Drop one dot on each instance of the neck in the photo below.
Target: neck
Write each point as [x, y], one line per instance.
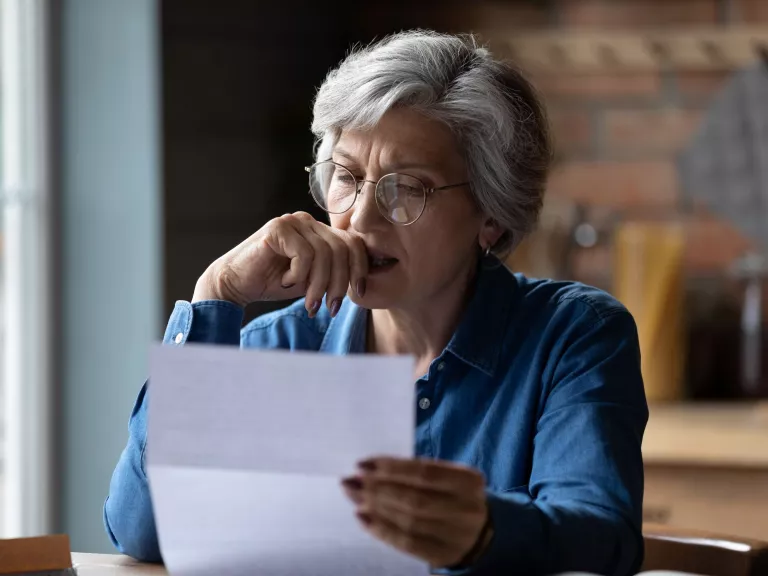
[422, 330]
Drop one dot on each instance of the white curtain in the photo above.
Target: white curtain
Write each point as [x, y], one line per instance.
[26, 307]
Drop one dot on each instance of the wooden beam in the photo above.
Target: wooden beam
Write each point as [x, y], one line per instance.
[604, 51]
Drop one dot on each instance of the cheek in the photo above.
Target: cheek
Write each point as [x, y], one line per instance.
[339, 221]
[433, 248]
[451, 226]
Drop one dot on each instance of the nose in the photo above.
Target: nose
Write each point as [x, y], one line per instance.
[365, 212]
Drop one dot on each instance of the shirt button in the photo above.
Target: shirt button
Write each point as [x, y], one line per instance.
[441, 366]
[424, 403]
[179, 338]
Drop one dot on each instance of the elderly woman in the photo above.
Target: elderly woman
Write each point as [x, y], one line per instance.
[431, 163]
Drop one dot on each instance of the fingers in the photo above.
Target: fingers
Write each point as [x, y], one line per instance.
[291, 256]
[340, 268]
[451, 535]
[320, 271]
[436, 475]
[358, 261]
[310, 256]
[435, 551]
[433, 509]
[323, 261]
[351, 256]
[397, 500]
[285, 239]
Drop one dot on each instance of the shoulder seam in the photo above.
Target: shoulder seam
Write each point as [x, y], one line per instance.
[601, 313]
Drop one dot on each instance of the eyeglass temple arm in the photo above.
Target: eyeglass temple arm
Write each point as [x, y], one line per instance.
[448, 186]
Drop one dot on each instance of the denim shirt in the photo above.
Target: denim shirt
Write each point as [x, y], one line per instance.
[539, 388]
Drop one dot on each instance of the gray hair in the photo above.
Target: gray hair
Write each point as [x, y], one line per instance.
[489, 106]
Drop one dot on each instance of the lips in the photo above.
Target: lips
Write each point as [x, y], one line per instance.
[378, 259]
[378, 262]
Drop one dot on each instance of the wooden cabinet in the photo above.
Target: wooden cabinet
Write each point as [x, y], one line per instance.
[706, 467]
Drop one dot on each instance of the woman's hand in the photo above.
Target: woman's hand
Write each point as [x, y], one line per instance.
[431, 509]
[291, 256]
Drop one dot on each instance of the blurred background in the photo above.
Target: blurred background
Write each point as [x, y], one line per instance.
[143, 138]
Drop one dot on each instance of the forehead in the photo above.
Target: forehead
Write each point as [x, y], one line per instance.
[402, 136]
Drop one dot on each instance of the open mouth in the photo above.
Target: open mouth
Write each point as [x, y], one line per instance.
[380, 262]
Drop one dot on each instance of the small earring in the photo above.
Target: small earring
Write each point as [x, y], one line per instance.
[487, 251]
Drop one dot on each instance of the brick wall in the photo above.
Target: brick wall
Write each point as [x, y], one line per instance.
[617, 138]
[617, 135]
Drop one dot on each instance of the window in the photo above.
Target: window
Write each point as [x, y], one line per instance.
[25, 319]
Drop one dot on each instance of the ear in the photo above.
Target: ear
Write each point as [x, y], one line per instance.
[490, 232]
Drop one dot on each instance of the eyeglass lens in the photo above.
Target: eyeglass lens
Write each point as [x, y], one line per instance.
[399, 197]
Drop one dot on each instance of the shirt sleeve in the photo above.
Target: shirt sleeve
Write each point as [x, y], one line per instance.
[128, 516]
[582, 508]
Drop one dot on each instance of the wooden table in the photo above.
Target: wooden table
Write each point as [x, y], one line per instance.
[113, 565]
[706, 467]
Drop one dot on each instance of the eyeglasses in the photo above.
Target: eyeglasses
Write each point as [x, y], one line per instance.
[400, 198]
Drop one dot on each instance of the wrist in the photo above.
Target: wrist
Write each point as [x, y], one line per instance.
[210, 287]
[481, 545]
[204, 289]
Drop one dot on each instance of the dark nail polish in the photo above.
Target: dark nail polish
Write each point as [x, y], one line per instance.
[355, 496]
[364, 518]
[287, 286]
[367, 465]
[354, 490]
[314, 307]
[335, 307]
[360, 288]
[352, 483]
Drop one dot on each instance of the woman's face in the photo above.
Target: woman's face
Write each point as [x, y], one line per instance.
[439, 251]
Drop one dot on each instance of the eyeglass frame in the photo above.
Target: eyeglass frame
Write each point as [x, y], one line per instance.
[359, 184]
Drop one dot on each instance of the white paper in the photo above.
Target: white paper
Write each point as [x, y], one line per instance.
[246, 450]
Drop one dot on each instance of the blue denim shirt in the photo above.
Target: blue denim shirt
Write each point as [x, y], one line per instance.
[539, 388]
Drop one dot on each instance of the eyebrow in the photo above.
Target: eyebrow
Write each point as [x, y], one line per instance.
[396, 167]
[346, 155]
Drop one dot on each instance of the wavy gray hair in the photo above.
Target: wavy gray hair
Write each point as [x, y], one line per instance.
[490, 107]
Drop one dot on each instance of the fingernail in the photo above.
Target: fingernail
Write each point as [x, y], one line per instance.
[352, 483]
[286, 286]
[364, 518]
[355, 496]
[354, 489]
[335, 307]
[367, 465]
[314, 308]
[361, 288]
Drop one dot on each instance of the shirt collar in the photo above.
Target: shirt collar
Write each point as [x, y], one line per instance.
[346, 332]
[478, 337]
[477, 340]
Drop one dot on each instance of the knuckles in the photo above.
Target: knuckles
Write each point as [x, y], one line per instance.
[417, 501]
[303, 216]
